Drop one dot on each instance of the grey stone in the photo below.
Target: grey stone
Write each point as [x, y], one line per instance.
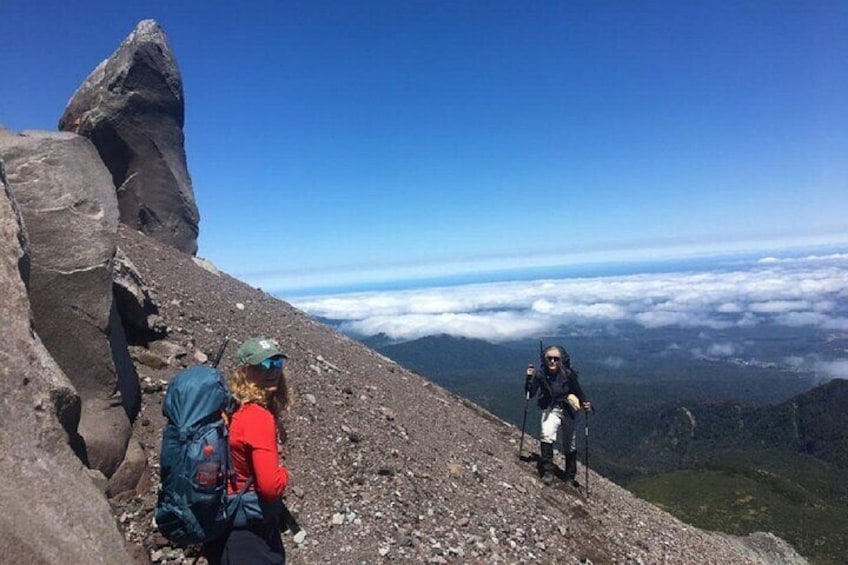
[98, 479]
[132, 108]
[169, 350]
[52, 511]
[70, 216]
[135, 302]
[131, 470]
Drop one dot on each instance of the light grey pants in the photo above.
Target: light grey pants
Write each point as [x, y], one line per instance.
[552, 419]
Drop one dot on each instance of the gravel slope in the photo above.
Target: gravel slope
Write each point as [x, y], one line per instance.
[387, 466]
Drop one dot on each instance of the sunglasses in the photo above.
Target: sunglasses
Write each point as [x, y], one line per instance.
[552, 359]
[272, 363]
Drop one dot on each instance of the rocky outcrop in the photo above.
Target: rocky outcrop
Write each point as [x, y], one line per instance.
[70, 213]
[131, 107]
[52, 512]
[135, 302]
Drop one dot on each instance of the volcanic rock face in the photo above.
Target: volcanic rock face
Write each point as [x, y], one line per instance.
[131, 107]
[52, 512]
[135, 302]
[69, 209]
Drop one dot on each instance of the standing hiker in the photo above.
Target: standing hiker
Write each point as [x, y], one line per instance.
[555, 382]
[260, 390]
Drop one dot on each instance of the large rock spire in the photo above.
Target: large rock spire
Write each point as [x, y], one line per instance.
[132, 108]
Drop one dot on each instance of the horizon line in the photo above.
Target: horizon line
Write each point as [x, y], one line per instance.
[473, 272]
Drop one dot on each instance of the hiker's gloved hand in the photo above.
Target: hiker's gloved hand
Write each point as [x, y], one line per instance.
[587, 406]
[530, 371]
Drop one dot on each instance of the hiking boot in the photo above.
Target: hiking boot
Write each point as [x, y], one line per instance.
[546, 462]
[571, 469]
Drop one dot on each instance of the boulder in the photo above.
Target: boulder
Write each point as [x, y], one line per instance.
[52, 512]
[132, 475]
[131, 107]
[70, 214]
[136, 303]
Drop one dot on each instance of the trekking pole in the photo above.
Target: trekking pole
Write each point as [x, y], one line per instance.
[562, 428]
[541, 355]
[288, 521]
[523, 423]
[586, 434]
[220, 352]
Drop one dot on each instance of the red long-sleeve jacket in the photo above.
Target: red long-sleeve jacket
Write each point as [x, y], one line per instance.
[253, 447]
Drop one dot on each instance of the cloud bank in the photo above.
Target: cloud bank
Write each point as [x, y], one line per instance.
[808, 291]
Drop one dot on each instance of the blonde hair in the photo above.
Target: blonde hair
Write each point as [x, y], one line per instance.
[244, 391]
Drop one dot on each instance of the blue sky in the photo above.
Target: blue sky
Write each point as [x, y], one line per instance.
[353, 142]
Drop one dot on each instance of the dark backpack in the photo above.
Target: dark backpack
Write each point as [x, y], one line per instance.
[193, 505]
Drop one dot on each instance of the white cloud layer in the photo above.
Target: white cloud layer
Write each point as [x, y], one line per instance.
[837, 369]
[831, 369]
[810, 291]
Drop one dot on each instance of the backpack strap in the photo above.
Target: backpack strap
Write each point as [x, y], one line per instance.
[247, 484]
[543, 377]
[543, 380]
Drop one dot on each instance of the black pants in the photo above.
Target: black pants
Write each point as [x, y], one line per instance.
[258, 544]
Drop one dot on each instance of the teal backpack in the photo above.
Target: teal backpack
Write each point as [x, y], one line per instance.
[193, 505]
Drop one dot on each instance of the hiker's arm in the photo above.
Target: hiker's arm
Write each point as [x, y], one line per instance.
[270, 477]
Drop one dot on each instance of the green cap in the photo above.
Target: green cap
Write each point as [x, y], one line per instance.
[257, 349]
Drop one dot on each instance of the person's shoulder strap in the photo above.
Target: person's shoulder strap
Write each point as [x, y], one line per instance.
[543, 378]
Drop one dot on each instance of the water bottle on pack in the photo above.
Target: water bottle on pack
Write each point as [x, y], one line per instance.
[209, 470]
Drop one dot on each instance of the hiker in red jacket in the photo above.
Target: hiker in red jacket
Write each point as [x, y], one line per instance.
[261, 393]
